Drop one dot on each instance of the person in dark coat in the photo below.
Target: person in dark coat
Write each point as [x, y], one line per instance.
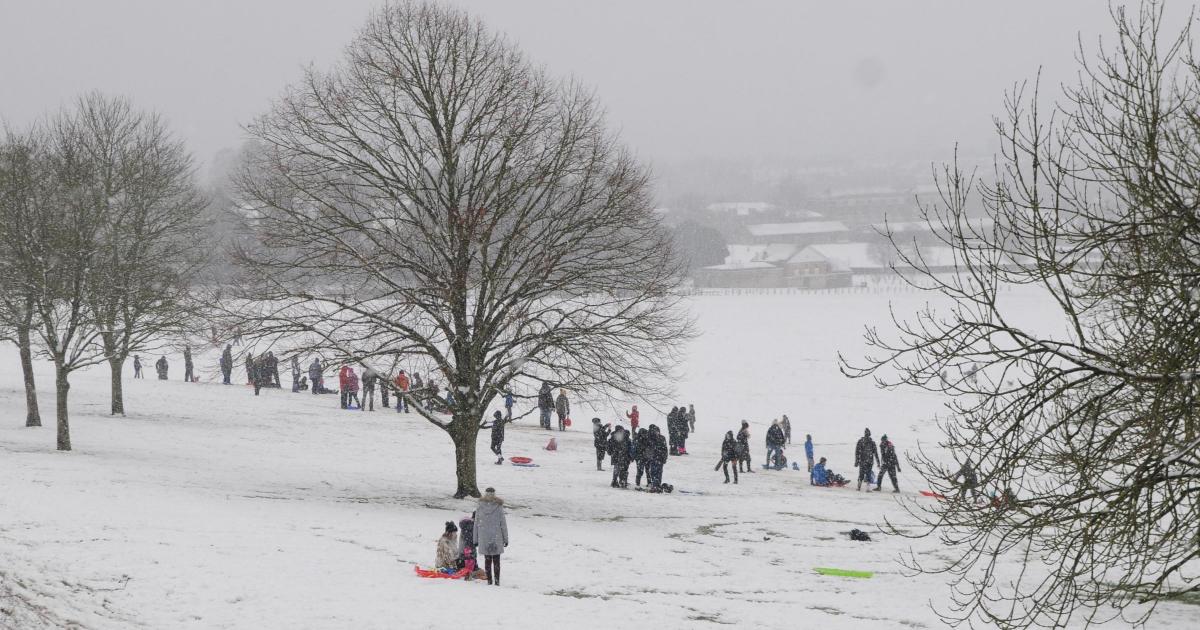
[314, 376]
[786, 425]
[656, 458]
[226, 364]
[888, 463]
[137, 367]
[683, 430]
[775, 443]
[498, 422]
[491, 533]
[673, 431]
[545, 404]
[508, 405]
[618, 451]
[970, 482]
[160, 366]
[729, 454]
[188, 376]
[257, 372]
[641, 450]
[272, 369]
[600, 440]
[562, 407]
[369, 379]
[865, 457]
[249, 368]
[743, 440]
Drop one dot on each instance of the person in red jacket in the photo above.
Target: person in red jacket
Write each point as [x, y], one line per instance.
[402, 384]
[633, 419]
[344, 385]
[352, 385]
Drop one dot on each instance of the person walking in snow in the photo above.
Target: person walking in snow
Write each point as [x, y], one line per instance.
[641, 449]
[729, 454]
[447, 548]
[865, 457]
[188, 377]
[226, 364]
[369, 379]
[808, 451]
[618, 452]
[743, 440]
[491, 533]
[137, 367]
[314, 376]
[656, 458]
[775, 442]
[888, 463]
[633, 419]
[673, 431]
[401, 382]
[562, 407]
[545, 404]
[498, 422]
[161, 367]
[786, 425]
[600, 441]
[970, 482]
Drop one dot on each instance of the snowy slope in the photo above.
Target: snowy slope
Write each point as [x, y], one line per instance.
[207, 507]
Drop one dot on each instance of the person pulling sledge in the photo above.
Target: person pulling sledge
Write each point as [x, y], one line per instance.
[562, 407]
[889, 464]
[729, 454]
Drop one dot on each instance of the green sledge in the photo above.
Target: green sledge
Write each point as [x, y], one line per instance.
[843, 572]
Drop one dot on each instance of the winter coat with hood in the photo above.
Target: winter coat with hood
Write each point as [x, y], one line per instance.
[618, 446]
[447, 551]
[314, 370]
[775, 437]
[865, 453]
[887, 452]
[227, 359]
[729, 448]
[545, 397]
[599, 434]
[562, 405]
[491, 528]
[658, 452]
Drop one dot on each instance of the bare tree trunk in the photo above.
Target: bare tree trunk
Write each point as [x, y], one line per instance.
[464, 435]
[33, 418]
[62, 387]
[118, 398]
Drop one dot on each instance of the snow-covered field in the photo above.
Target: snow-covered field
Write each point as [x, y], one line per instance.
[207, 507]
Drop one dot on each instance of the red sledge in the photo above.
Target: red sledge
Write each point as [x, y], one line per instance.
[929, 493]
[520, 460]
[433, 573]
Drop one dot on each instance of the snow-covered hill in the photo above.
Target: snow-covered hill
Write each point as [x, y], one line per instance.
[207, 507]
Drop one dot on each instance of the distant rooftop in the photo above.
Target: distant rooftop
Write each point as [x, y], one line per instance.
[801, 227]
[741, 208]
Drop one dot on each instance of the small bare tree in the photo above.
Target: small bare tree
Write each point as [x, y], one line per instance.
[149, 248]
[1084, 436]
[20, 184]
[438, 198]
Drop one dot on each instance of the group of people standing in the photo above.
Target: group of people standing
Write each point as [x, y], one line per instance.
[161, 366]
[646, 448]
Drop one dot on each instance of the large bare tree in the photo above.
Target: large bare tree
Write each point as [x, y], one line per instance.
[437, 198]
[150, 247]
[1083, 434]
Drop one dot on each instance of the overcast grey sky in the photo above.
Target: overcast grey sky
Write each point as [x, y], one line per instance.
[681, 79]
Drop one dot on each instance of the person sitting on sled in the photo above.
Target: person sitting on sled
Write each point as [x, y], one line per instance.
[447, 548]
[820, 476]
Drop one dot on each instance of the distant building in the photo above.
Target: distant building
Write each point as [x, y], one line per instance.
[799, 232]
[741, 208]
